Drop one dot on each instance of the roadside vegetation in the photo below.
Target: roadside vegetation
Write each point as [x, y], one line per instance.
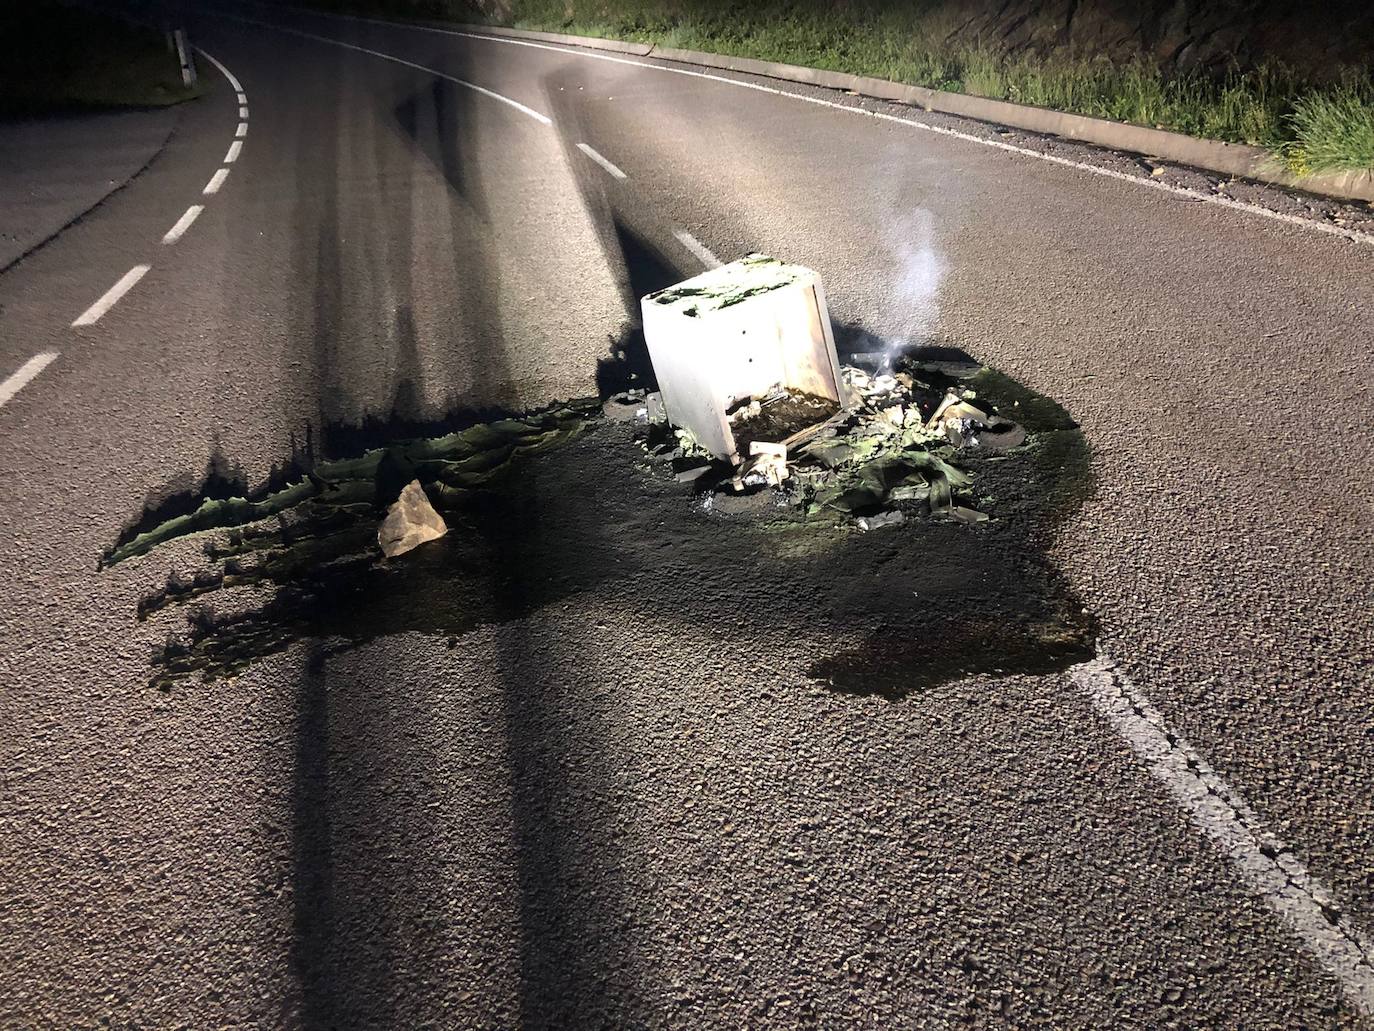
[66, 58]
[1311, 126]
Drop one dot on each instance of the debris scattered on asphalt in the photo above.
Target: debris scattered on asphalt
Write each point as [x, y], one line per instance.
[770, 461]
[776, 416]
[893, 517]
[875, 466]
[693, 473]
[967, 425]
[654, 411]
[967, 515]
[887, 453]
[410, 522]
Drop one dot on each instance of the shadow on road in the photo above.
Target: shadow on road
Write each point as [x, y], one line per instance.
[363, 925]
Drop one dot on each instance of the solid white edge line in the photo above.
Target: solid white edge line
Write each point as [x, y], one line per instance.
[232, 154]
[183, 223]
[233, 80]
[1354, 235]
[241, 131]
[698, 248]
[603, 162]
[24, 375]
[111, 296]
[1268, 865]
[216, 181]
[1182, 191]
[543, 119]
[243, 111]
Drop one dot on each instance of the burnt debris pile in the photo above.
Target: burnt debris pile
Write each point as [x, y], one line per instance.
[892, 450]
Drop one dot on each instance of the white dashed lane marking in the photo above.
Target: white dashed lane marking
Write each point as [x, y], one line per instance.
[541, 118]
[697, 247]
[111, 296]
[20, 378]
[591, 153]
[26, 373]
[231, 155]
[183, 223]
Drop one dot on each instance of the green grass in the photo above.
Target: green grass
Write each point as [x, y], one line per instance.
[1333, 130]
[61, 58]
[1311, 126]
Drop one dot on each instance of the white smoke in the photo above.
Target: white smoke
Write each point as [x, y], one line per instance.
[920, 269]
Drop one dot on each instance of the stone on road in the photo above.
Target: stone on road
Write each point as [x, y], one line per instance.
[410, 522]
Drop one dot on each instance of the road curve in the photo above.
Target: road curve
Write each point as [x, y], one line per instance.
[618, 807]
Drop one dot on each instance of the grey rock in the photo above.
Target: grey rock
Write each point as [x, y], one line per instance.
[410, 522]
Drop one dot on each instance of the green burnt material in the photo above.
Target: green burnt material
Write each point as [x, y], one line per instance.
[448, 466]
[914, 605]
[729, 285]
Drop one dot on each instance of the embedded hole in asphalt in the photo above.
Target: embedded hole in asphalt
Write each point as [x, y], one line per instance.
[565, 503]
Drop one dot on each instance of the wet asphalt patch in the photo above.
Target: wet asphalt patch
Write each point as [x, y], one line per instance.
[559, 503]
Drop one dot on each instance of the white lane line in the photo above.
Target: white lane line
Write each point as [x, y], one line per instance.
[241, 131]
[601, 160]
[242, 98]
[243, 110]
[1153, 184]
[1265, 862]
[216, 181]
[233, 80]
[183, 223]
[544, 119]
[21, 377]
[232, 154]
[111, 296]
[698, 248]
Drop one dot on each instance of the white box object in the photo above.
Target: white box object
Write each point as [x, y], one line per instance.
[733, 333]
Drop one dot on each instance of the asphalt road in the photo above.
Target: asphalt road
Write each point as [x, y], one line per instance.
[620, 796]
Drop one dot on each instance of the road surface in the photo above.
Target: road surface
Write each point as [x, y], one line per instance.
[631, 802]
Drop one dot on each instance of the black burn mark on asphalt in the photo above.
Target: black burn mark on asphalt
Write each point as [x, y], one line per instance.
[1030, 621]
[586, 518]
[903, 659]
[964, 582]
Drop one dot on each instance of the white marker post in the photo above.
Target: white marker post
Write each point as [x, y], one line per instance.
[188, 67]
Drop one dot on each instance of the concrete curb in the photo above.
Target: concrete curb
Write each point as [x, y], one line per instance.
[591, 42]
[1213, 155]
[112, 187]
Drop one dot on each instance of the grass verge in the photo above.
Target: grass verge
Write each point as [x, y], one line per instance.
[62, 58]
[1312, 127]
